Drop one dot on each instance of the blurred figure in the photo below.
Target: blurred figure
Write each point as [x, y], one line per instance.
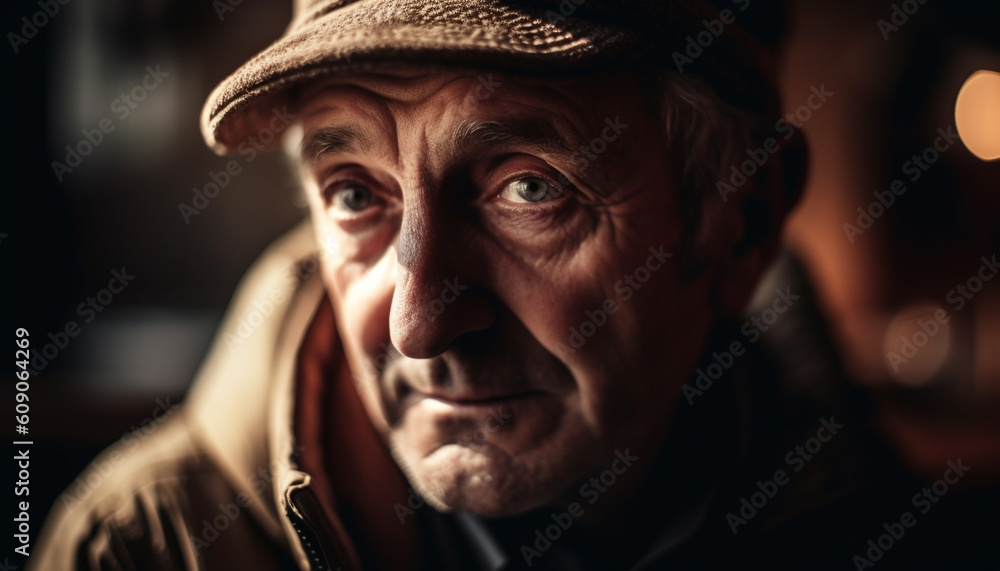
[901, 226]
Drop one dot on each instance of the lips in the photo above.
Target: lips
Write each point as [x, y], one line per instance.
[460, 382]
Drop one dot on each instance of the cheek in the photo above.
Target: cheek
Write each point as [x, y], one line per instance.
[361, 295]
[364, 297]
[624, 324]
[595, 310]
[359, 281]
[360, 300]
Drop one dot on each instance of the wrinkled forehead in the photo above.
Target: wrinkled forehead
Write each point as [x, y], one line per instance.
[572, 106]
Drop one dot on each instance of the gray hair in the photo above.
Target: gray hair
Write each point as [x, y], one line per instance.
[706, 137]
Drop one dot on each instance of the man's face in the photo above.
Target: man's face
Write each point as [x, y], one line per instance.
[498, 252]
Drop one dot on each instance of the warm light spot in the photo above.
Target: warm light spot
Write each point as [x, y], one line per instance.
[917, 343]
[977, 114]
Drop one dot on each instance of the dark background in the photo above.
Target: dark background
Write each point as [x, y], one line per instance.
[119, 209]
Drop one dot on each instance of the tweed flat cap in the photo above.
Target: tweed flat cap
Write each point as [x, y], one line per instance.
[728, 43]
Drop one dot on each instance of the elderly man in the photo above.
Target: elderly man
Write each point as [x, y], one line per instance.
[506, 338]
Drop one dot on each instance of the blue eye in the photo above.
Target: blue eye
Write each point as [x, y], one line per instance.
[353, 197]
[530, 189]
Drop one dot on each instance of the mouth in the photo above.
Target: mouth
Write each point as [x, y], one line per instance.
[473, 399]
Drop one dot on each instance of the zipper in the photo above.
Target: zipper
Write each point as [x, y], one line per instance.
[309, 541]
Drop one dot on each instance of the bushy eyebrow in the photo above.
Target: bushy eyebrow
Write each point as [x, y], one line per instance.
[327, 140]
[539, 136]
[468, 138]
[471, 136]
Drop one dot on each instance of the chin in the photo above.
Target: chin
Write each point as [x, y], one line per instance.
[483, 480]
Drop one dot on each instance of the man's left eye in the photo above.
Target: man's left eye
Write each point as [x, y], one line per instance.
[353, 197]
[531, 189]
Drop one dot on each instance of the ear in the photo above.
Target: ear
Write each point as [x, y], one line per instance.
[750, 224]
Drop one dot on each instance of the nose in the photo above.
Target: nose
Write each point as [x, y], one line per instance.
[439, 295]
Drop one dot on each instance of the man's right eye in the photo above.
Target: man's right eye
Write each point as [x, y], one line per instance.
[352, 197]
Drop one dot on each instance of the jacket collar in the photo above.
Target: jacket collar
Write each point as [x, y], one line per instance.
[240, 405]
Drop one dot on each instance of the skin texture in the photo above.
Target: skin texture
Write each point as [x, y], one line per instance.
[456, 297]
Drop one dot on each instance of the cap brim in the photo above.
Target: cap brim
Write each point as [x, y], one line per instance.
[361, 34]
